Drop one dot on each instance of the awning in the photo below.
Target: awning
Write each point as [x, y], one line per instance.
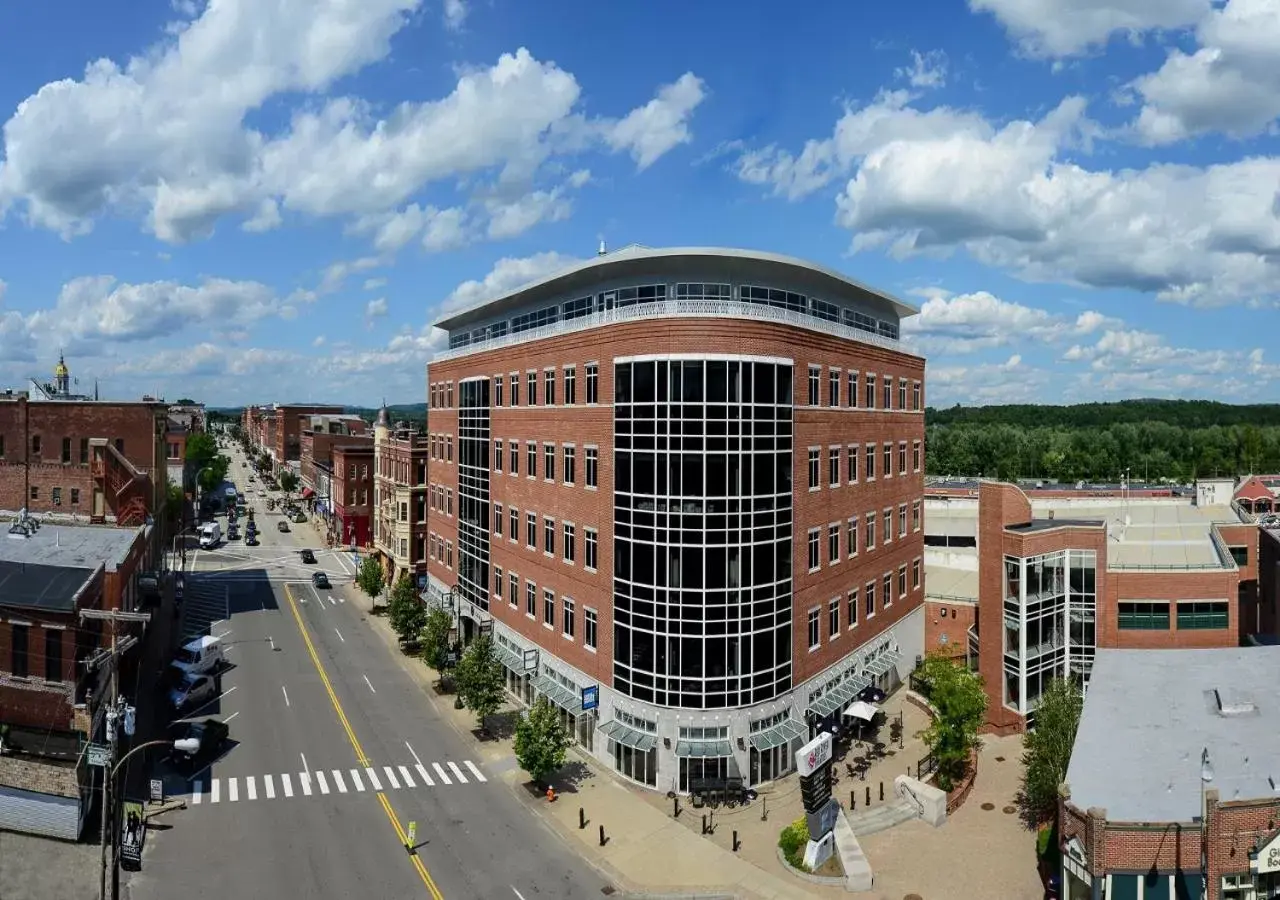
[509, 658]
[307, 493]
[782, 733]
[628, 736]
[884, 662]
[558, 694]
[862, 710]
[703, 749]
[831, 701]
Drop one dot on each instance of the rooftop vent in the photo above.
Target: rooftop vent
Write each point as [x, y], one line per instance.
[24, 526]
[1232, 703]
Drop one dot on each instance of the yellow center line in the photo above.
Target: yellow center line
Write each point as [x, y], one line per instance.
[355, 744]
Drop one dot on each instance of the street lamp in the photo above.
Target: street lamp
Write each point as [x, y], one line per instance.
[1206, 776]
[186, 745]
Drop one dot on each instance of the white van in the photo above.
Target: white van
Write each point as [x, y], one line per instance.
[210, 535]
[198, 656]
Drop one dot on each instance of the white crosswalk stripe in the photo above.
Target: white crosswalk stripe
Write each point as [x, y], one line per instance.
[330, 781]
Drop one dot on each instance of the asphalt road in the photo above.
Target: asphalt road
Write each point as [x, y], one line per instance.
[321, 710]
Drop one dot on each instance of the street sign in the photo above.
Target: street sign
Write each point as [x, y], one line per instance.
[413, 833]
[591, 697]
[157, 790]
[99, 755]
[531, 660]
[813, 755]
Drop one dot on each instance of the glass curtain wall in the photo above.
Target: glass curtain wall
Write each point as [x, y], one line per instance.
[703, 528]
[473, 491]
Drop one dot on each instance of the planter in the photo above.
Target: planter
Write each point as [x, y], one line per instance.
[808, 876]
[960, 793]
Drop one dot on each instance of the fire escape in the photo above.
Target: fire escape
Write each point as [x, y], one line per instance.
[120, 487]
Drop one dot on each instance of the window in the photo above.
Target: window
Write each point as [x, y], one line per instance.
[66, 450]
[548, 608]
[915, 456]
[75, 496]
[18, 649]
[57, 496]
[448, 551]
[35, 492]
[497, 455]
[851, 463]
[514, 381]
[35, 445]
[593, 383]
[915, 395]
[1202, 615]
[549, 387]
[851, 605]
[498, 583]
[851, 537]
[814, 637]
[833, 544]
[887, 535]
[902, 520]
[515, 524]
[915, 574]
[888, 460]
[869, 470]
[902, 580]
[902, 393]
[815, 379]
[567, 624]
[851, 390]
[513, 582]
[1, 446]
[814, 542]
[888, 392]
[591, 558]
[531, 387]
[531, 459]
[833, 618]
[886, 597]
[833, 466]
[570, 385]
[1240, 555]
[590, 620]
[497, 519]
[515, 457]
[870, 593]
[451, 395]
[915, 515]
[902, 457]
[530, 599]
[871, 531]
[833, 387]
[497, 390]
[870, 392]
[570, 542]
[53, 655]
[549, 462]
[448, 448]
[570, 464]
[1145, 616]
[593, 467]
[813, 468]
[531, 530]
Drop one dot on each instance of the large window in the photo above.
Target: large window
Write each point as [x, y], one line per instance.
[814, 453]
[593, 467]
[570, 385]
[590, 626]
[593, 383]
[592, 551]
[570, 464]
[815, 384]
[815, 618]
[1202, 615]
[473, 492]
[703, 524]
[1138, 616]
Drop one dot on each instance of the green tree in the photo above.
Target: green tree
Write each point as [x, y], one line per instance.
[370, 579]
[435, 638]
[213, 473]
[201, 450]
[481, 680]
[174, 499]
[541, 741]
[957, 695]
[405, 613]
[288, 481]
[1047, 749]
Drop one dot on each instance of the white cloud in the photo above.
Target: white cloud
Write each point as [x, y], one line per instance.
[336, 274]
[1011, 381]
[207, 359]
[1230, 84]
[506, 275]
[375, 309]
[508, 219]
[1060, 28]
[927, 70]
[965, 323]
[267, 218]
[649, 131]
[1013, 195]
[319, 341]
[455, 14]
[372, 284]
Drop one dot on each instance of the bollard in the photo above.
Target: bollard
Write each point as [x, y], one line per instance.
[764, 810]
[582, 818]
[736, 845]
[868, 795]
[712, 828]
[675, 807]
[853, 800]
[704, 823]
[882, 792]
[603, 839]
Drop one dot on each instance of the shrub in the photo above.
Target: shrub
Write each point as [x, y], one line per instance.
[792, 841]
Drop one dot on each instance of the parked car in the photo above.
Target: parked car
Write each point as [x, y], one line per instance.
[282, 526]
[200, 655]
[193, 690]
[212, 735]
[319, 579]
[307, 556]
[251, 539]
[233, 532]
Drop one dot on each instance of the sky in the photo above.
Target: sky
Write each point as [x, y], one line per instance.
[255, 201]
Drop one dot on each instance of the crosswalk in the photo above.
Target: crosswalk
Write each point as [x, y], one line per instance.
[214, 576]
[325, 782]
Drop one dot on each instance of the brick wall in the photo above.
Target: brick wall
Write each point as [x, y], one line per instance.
[584, 426]
[352, 475]
[946, 626]
[1172, 586]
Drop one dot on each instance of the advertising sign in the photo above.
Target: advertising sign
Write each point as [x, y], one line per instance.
[531, 660]
[133, 834]
[590, 697]
[99, 755]
[813, 755]
[157, 790]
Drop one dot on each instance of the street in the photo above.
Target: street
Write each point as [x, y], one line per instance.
[334, 751]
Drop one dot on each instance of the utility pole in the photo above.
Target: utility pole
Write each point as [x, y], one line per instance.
[111, 657]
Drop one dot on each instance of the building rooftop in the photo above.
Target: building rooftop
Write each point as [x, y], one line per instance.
[944, 582]
[68, 546]
[1150, 713]
[41, 587]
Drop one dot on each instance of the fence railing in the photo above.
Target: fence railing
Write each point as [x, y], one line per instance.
[926, 766]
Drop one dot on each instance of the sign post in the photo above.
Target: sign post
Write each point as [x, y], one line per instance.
[411, 837]
[813, 763]
[99, 755]
[157, 790]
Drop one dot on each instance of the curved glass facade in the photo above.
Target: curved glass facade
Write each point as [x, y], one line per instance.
[703, 531]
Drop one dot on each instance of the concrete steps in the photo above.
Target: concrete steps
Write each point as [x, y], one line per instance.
[883, 816]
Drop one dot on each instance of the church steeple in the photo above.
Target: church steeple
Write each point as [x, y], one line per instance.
[62, 376]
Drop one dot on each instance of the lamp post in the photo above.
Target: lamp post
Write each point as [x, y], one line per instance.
[1206, 776]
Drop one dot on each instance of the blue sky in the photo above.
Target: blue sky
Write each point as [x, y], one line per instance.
[269, 200]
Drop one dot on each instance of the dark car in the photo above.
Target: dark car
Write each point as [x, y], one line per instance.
[251, 539]
[282, 525]
[212, 734]
[307, 556]
[319, 579]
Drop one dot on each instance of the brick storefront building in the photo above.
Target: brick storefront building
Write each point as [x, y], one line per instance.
[691, 478]
[401, 495]
[352, 486]
[1171, 740]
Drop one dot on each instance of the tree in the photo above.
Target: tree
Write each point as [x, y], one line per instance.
[370, 579]
[288, 481]
[961, 703]
[481, 680]
[541, 740]
[1047, 749]
[201, 449]
[214, 473]
[174, 499]
[405, 612]
[435, 638]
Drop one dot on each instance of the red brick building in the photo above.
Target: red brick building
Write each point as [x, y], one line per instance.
[687, 482]
[1174, 764]
[352, 486]
[401, 495]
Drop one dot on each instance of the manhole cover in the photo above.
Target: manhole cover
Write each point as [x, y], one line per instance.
[1009, 810]
[999, 759]
[988, 806]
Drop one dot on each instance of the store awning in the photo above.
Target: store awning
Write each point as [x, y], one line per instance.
[509, 658]
[833, 700]
[628, 736]
[782, 733]
[307, 493]
[558, 694]
[884, 662]
[703, 749]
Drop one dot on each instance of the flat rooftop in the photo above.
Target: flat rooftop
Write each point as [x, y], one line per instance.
[943, 582]
[68, 546]
[1160, 533]
[1150, 713]
[41, 587]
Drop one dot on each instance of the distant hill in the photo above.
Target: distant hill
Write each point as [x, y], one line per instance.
[1183, 413]
[396, 410]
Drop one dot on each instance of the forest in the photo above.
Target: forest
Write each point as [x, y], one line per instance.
[1154, 440]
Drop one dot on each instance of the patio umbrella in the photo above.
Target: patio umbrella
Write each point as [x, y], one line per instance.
[862, 710]
[871, 694]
